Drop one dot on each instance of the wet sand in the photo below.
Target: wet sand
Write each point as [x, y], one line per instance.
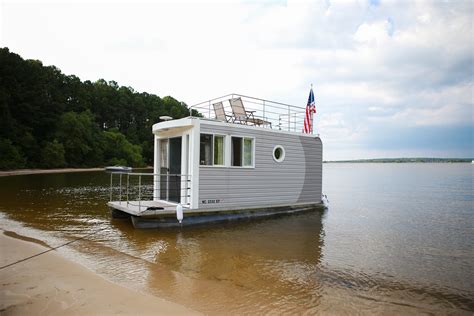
[20, 172]
[49, 284]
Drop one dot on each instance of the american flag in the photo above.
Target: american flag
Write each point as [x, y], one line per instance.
[310, 109]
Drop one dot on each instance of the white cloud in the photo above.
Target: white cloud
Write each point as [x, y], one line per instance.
[376, 33]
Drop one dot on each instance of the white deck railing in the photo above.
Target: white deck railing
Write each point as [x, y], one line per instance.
[276, 115]
[133, 188]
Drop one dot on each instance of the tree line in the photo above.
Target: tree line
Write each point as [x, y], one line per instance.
[52, 120]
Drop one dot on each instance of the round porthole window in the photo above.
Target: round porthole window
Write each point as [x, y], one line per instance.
[279, 153]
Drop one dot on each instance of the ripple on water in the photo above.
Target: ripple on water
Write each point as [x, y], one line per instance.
[370, 253]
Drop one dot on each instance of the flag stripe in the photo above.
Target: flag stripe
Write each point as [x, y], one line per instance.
[310, 108]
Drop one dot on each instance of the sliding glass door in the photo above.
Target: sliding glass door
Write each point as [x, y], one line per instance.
[170, 169]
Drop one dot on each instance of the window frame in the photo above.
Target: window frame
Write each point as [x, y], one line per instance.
[223, 149]
[252, 166]
[212, 150]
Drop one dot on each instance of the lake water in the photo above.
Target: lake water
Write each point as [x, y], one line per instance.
[397, 238]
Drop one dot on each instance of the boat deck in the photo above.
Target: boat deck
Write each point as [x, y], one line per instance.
[145, 208]
[144, 216]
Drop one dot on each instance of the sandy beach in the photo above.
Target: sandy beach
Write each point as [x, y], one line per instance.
[49, 284]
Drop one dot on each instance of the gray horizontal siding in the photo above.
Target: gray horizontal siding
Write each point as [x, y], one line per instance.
[312, 187]
[296, 179]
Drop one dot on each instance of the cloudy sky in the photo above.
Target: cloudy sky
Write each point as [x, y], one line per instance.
[391, 78]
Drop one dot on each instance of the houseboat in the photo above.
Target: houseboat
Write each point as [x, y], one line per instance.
[234, 157]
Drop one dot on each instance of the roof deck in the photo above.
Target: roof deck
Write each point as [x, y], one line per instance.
[245, 110]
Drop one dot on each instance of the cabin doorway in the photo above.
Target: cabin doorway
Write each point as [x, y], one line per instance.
[174, 189]
[170, 169]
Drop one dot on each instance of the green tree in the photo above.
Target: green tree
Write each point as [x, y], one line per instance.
[10, 157]
[81, 139]
[119, 150]
[39, 104]
[52, 155]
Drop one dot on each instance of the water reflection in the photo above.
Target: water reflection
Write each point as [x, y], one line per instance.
[338, 262]
[243, 267]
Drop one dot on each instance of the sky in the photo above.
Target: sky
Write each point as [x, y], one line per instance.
[390, 78]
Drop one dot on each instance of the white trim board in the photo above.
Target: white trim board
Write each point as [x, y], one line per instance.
[189, 121]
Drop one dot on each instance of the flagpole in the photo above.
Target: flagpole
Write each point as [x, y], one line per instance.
[312, 121]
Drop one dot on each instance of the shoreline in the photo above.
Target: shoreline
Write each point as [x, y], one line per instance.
[54, 285]
[21, 172]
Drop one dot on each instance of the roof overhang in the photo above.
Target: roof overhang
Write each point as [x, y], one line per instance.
[173, 124]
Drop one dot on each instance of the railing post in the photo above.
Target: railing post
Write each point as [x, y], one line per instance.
[120, 190]
[264, 118]
[167, 186]
[139, 193]
[128, 185]
[110, 199]
[279, 122]
[180, 188]
[209, 116]
[289, 118]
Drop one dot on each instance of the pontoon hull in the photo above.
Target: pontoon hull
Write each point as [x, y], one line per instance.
[209, 217]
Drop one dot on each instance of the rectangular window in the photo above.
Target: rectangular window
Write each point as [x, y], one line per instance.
[164, 153]
[242, 152]
[236, 151]
[218, 150]
[212, 150]
[248, 152]
[205, 155]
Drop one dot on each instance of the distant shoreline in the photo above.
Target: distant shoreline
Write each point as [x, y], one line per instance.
[20, 172]
[404, 160]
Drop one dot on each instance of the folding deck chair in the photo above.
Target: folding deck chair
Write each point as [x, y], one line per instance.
[243, 116]
[221, 115]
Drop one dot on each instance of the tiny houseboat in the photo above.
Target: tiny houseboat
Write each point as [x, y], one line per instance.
[234, 157]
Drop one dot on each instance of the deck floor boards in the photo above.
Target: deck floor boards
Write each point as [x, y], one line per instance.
[142, 208]
[169, 208]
